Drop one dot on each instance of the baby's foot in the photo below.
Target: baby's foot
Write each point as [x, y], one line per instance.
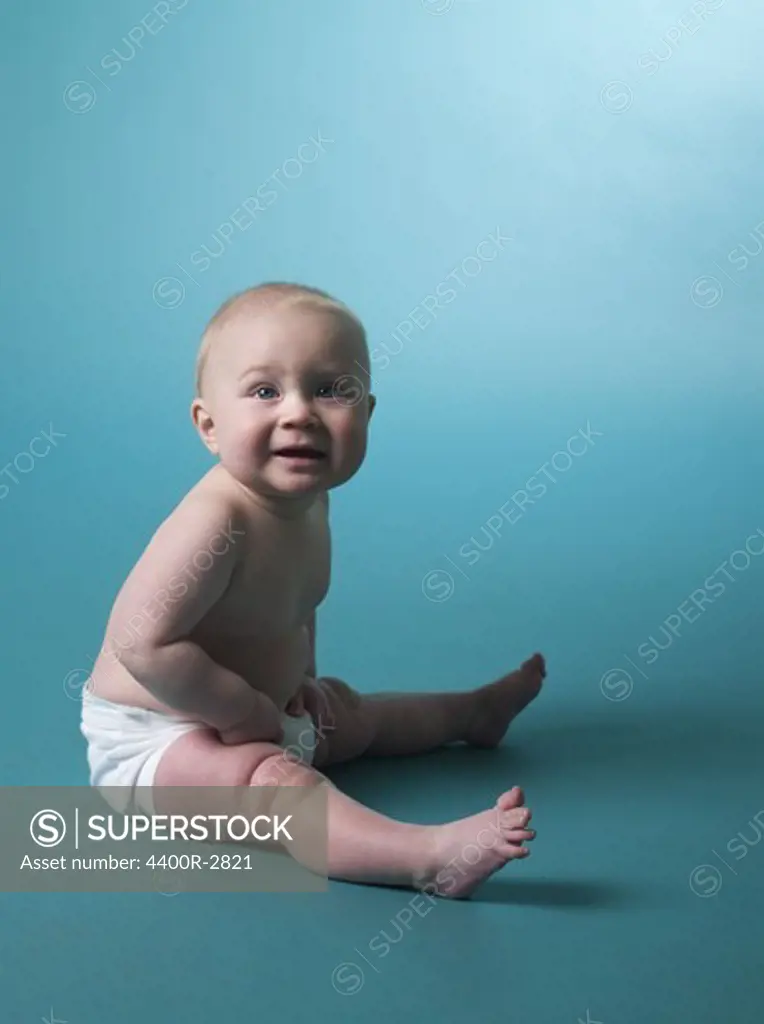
[464, 853]
[498, 703]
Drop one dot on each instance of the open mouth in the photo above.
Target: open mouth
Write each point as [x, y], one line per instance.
[311, 454]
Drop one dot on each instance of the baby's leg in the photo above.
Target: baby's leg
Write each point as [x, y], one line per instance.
[363, 846]
[412, 723]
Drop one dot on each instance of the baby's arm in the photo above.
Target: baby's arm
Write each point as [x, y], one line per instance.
[296, 705]
[172, 667]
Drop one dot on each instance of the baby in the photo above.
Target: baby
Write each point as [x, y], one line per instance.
[208, 670]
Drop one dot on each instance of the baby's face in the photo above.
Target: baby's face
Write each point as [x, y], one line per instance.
[275, 384]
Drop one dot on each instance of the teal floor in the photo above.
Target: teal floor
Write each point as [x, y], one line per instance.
[635, 804]
[644, 895]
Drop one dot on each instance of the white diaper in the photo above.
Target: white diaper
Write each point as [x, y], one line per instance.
[125, 745]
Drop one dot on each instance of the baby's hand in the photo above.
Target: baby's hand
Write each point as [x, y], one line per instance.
[263, 725]
[296, 706]
[314, 701]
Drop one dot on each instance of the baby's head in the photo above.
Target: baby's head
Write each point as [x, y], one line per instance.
[284, 365]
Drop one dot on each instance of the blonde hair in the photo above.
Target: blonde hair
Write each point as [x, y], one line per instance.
[261, 298]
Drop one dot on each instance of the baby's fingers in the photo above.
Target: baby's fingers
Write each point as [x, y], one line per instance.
[320, 706]
[326, 717]
[324, 712]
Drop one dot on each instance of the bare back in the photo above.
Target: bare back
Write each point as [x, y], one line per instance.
[258, 628]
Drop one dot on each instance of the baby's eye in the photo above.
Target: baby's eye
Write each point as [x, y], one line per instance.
[326, 390]
[258, 391]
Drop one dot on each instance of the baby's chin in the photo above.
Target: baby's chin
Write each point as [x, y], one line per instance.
[274, 480]
[287, 483]
[302, 474]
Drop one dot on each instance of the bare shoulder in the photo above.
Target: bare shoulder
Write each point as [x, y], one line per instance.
[187, 565]
[211, 512]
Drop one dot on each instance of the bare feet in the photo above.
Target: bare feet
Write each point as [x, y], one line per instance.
[498, 703]
[464, 853]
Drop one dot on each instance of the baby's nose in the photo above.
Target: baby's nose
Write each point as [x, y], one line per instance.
[297, 409]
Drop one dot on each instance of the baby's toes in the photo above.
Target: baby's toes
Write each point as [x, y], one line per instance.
[518, 817]
[520, 835]
[512, 798]
[513, 851]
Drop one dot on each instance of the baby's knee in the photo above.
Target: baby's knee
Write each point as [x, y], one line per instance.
[355, 713]
[340, 692]
[353, 729]
[282, 769]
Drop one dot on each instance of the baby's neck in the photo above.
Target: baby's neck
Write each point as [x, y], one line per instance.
[286, 507]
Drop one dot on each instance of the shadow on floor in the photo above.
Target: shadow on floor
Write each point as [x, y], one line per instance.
[656, 748]
[612, 761]
[592, 895]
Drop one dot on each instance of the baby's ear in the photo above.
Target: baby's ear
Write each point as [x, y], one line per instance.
[372, 404]
[204, 425]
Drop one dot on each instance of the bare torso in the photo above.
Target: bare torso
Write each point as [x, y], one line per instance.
[258, 629]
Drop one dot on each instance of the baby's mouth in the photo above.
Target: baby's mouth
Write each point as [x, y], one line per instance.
[300, 453]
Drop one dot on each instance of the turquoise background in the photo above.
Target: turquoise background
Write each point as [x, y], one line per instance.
[621, 150]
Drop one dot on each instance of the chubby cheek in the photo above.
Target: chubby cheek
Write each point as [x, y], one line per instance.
[350, 439]
[249, 439]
